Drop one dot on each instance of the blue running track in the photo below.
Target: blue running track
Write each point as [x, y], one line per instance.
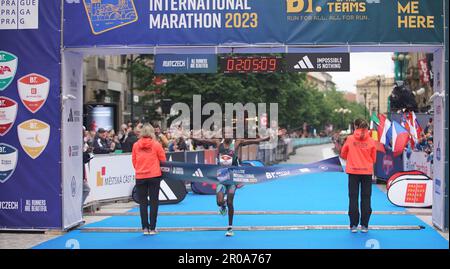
[316, 192]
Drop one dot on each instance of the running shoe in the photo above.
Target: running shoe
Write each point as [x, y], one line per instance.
[354, 229]
[153, 232]
[145, 231]
[364, 229]
[223, 210]
[229, 232]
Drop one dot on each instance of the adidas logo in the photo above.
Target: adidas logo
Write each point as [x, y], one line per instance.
[198, 173]
[304, 63]
[165, 192]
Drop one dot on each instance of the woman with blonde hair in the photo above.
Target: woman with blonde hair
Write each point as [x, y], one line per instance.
[147, 154]
[360, 152]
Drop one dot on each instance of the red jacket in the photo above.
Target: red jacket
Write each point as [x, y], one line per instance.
[146, 156]
[360, 152]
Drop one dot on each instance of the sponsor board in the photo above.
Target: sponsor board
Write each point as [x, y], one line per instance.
[33, 137]
[18, 15]
[410, 189]
[8, 161]
[33, 91]
[8, 113]
[318, 62]
[171, 63]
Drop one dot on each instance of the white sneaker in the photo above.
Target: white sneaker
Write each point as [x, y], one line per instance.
[354, 229]
[364, 229]
[229, 232]
[153, 232]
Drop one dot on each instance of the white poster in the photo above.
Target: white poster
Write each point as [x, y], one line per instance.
[110, 177]
[439, 144]
[418, 160]
[72, 146]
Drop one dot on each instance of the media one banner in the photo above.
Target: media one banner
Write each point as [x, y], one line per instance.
[215, 22]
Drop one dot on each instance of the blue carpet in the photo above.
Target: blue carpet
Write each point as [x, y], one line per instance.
[326, 191]
[321, 192]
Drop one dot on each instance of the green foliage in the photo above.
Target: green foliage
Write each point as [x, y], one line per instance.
[298, 101]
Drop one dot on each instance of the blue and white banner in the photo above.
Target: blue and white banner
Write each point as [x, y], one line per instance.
[185, 63]
[439, 141]
[72, 126]
[30, 115]
[90, 23]
[217, 174]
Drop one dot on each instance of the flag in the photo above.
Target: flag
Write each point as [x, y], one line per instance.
[374, 120]
[417, 128]
[382, 121]
[406, 124]
[398, 137]
[383, 129]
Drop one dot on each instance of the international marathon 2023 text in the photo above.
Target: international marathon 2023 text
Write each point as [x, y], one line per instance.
[225, 258]
[201, 14]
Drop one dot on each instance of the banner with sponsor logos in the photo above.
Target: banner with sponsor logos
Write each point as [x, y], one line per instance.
[243, 174]
[410, 189]
[387, 164]
[418, 160]
[72, 126]
[30, 115]
[213, 22]
[185, 63]
[112, 176]
[439, 155]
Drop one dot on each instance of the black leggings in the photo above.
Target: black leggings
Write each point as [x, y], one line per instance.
[148, 187]
[354, 183]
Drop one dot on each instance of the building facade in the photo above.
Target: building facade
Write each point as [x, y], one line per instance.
[322, 80]
[367, 92]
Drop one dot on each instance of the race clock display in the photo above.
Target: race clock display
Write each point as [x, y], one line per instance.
[250, 64]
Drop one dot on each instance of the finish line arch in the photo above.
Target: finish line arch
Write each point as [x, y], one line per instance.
[41, 56]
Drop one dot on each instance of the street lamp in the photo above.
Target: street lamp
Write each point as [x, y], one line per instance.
[378, 85]
[400, 59]
[343, 111]
[365, 103]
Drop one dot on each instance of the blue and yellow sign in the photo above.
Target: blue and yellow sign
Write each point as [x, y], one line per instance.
[106, 15]
[241, 22]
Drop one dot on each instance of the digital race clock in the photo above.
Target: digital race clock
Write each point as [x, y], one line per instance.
[250, 64]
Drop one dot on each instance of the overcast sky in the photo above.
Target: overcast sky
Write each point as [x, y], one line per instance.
[361, 66]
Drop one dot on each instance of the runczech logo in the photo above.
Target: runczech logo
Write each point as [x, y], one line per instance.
[8, 67]
[33, 136]
[106, 15]
[33, 91]
[8, 161]
[8, 113]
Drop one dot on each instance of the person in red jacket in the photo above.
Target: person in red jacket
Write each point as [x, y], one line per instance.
[360, 152]
[147, 154]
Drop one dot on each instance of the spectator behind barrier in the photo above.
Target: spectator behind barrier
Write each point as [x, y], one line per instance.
[128, 140]
[102, 145]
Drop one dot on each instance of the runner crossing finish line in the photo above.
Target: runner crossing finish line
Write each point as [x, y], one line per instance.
[216, 174]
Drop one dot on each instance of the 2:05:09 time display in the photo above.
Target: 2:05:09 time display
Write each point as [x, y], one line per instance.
[250, 64]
